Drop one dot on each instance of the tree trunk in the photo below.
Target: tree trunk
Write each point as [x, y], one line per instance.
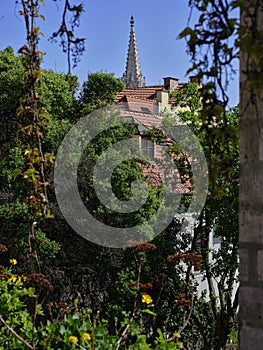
[251, 180]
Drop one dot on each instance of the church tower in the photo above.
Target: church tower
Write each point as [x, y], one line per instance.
[133, 75]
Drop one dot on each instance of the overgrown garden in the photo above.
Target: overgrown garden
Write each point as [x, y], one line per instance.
[60, 291]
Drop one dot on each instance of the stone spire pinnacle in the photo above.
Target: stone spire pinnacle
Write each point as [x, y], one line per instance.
[133, 75]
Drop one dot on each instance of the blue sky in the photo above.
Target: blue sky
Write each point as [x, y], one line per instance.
[105, 25]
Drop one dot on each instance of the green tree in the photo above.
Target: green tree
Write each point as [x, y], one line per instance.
[59, 95]
[218, 221]
[219, 37]
[11, 89]
[122, 177]
[99, 90]
[205, 319]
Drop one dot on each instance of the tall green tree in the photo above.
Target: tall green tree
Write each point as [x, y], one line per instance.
[99, 90]
[218, 36]
[59, 94]
[218, 221]
[12, 72]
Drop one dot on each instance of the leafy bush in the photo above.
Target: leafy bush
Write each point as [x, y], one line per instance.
[20, 307]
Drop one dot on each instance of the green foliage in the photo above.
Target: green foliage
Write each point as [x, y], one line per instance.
[211, 45]
[152, 297]
[72, 330]
[122, 177]
[234, 334]
[55, 132]
[13, 309]
[188, 97]
[10, 161]
[58, 94]
[14, 216]
[219, 139]
[208, 315]
[162, 344]
[47, 247]
[99, 91]
[76, 330]
[11, 89]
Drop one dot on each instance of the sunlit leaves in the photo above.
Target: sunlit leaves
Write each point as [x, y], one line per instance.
[211, 44]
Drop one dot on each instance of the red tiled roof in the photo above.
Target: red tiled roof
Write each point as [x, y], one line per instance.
[144, 94]
[134, 110]
[139, 105]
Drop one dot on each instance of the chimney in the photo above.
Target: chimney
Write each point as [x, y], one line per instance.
[195, 79]
[162, 100]
[170, 83]
[162, 96]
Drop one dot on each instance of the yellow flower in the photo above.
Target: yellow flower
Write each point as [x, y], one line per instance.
[86, 336]
[13, 261]
[180, 345]
[73, 339]
[146, 299]
[177, 335]
[12, 279]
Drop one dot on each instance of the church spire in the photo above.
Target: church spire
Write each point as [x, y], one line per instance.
[133, 75]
